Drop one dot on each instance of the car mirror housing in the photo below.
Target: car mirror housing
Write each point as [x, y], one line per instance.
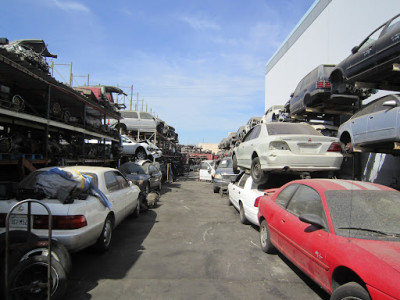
[354, 49]
[312, 219]
[390, 103]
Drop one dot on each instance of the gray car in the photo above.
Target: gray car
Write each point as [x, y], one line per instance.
[375, 128]
[223, 175]
[137, 120]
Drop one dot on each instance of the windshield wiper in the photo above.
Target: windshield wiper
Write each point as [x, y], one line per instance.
[372, 230]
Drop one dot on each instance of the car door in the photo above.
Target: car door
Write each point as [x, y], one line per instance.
[147, 121]
[358, 124]
[246, 147]
[302, 243]
[128, 146]
[238, 190]
[117, 194]
[381, 123]
[363, 57]
[155, 174]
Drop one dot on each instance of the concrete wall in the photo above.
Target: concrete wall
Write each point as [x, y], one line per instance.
[325, 35]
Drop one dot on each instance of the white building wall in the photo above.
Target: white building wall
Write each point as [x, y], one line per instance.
[328, 39]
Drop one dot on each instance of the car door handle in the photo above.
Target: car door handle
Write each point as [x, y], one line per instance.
[239, 192]
[371, 117]
[283, 221]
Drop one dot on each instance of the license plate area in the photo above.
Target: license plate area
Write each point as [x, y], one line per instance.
[19, 221]
[309, 148]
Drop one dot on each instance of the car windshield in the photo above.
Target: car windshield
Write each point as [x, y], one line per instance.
[279, 128]
[132, 168]
[365, 214]
[226, 163]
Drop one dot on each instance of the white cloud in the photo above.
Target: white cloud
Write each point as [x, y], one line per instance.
[200, 23]
[71, 6]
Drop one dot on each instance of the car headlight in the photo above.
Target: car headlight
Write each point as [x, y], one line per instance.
[278, 146]
[218, 176]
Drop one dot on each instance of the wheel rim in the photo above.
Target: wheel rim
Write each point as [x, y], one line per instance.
[39, 251]
[141, 154]
[31, 283]
[257, 170]
[263, 235]
[107, 233]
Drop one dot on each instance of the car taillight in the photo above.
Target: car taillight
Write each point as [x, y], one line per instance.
[334, 147]
[59, 222]
[257, 202]
[3, 220]
[323, 84]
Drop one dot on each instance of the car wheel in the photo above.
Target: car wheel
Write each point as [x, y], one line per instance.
[159, 186]
[147, 188]
[136, 212]
[235, 167]
[265, 239]
[40, 247]
[350, 290]
[338, 86]
[216, 189]
[104, 240]
[242, 215]
[140, 154]
[258, 175]
[28, 280]
[122, 128]
[229, 200]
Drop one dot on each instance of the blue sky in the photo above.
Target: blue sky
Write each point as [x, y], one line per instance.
[198, 65]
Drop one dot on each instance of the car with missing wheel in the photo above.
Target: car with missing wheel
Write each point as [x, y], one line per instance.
[374, 63]
[81, 218]
[140, 150]
[282, 147]
[375, 127]
[343, 234]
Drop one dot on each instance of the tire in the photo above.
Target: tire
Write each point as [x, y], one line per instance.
[265, 238]
[104, 240]
[338, 86]
[229, 201]
[27, 279]
[216, 189]
[140, 154]
[147, 188]
[136, 212]
[258, 175]
[40, 247]
[235, 167]
[242, 215]
[159, 187]
[350, 290]
[122, 128]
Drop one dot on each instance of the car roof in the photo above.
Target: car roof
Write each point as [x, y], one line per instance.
[342, 184]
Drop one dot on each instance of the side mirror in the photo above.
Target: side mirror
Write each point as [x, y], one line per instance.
[312, 219]
[392, 103]
[354, 50]
[291, 95]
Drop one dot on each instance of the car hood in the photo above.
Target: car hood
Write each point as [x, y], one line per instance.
[386, 251]
[138, 177]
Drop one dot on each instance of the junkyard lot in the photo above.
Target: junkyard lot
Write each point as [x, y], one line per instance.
[192, 246]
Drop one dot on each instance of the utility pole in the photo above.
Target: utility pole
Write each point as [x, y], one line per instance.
[130, 107]
[137, 101]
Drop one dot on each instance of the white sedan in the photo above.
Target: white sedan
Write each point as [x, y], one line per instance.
[78, 221]
[141, 150]
[286, 147]
[243, 194]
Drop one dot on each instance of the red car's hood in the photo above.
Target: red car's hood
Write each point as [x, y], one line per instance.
[388, 252]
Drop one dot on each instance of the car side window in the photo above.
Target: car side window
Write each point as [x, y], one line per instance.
[111, 181]
[123, 183]
[364, 111]
[146, 116]
[242, 181]
[394, 24]
[248, 135]
[379, 104]
[129, 114]
[306, 200]
[284, 196]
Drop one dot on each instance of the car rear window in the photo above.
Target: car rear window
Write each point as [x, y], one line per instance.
[278, 128]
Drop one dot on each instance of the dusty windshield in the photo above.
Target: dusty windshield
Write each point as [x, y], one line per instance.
[365, 214]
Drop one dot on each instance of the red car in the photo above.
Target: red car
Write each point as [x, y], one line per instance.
[345, 235]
